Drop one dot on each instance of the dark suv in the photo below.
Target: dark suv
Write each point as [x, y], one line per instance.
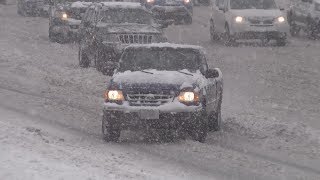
[109, 27]
[65, 19]
[180, 11]
[163, 86]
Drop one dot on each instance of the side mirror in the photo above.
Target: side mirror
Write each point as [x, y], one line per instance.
[212, 73]
[281, 8]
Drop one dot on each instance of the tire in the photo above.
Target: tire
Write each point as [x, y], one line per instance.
[228, 39]
[281, 42]
[188, 20]
[109, 132]
[311, 29]
[213, 35]
[83, 59]
[215, 120]
[199, 130]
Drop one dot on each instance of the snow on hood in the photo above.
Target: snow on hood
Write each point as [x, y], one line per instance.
[128, 28]
[257, 12]
[80, 4]
[130, 5]
[160, 77]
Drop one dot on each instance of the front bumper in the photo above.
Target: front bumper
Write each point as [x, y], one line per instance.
[171, 12]
[249, 31]
[127, 117]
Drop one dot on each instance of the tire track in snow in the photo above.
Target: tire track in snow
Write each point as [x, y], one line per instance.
[254, 154]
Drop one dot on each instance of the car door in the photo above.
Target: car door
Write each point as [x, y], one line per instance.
[219, 16]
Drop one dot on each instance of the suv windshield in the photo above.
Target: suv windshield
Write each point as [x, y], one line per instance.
[138, 16]
[161, 59]
[253, 4]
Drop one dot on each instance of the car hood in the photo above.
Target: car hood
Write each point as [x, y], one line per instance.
[257, 12]
[158, 82]
[128, 28]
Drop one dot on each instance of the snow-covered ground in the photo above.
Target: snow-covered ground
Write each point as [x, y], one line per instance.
[50, 112]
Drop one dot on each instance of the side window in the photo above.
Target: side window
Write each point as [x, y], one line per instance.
[204, 66]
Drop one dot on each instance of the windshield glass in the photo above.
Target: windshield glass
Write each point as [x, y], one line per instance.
[138, 16]
[253, 4]
[161, 59]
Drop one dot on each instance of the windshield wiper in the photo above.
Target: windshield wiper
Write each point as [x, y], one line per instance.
[185, 73]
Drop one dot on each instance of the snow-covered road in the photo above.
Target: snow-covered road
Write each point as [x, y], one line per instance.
[50, 112]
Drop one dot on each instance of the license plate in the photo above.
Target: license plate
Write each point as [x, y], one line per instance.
[149, 114]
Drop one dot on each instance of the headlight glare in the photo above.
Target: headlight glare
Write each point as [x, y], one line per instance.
[188, 97]
[187, 1]
[114, 95]
[238, 19]
[150, 1]
[64, 16]
[281, 19]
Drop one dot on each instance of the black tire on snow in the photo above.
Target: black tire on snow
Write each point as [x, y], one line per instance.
[213, 35]
[83, 59]
[215, 120]
[199, 130]
[228, 39]
[188, 20]
[110, 134]
[281, 42]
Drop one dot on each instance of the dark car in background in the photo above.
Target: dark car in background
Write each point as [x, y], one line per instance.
[180, 11]
[65, 19]
[163, 86]
[33, 7]
[107, 28]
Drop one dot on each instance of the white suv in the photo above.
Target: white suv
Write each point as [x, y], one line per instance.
[248, 19]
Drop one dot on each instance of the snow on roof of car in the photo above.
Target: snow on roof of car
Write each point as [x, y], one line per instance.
[80, 4]
[126, 5]
[165, 45]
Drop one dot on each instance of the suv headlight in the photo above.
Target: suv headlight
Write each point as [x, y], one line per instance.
[281, 19]
[61, 15]
[238, 19]
[188, 98]
[114, 96]
[186, 1]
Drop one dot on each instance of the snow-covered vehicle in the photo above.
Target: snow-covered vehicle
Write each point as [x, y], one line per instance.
[248, 19]
[33, 7]
[180, 11]
[65, 19]
[305, 15]
[163, 86]
[108, 27]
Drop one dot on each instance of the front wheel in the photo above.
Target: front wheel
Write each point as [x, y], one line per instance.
[228, 39]
[215, 120]
[188, 20]
[281, 42]
[109, 132]
[199, 130]
[213, 35]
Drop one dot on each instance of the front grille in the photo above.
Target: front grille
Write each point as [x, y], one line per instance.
[135, 38]
[148, 99]
[261, 21]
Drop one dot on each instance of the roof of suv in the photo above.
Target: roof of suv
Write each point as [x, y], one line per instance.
[122, 5]
[165, 45]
